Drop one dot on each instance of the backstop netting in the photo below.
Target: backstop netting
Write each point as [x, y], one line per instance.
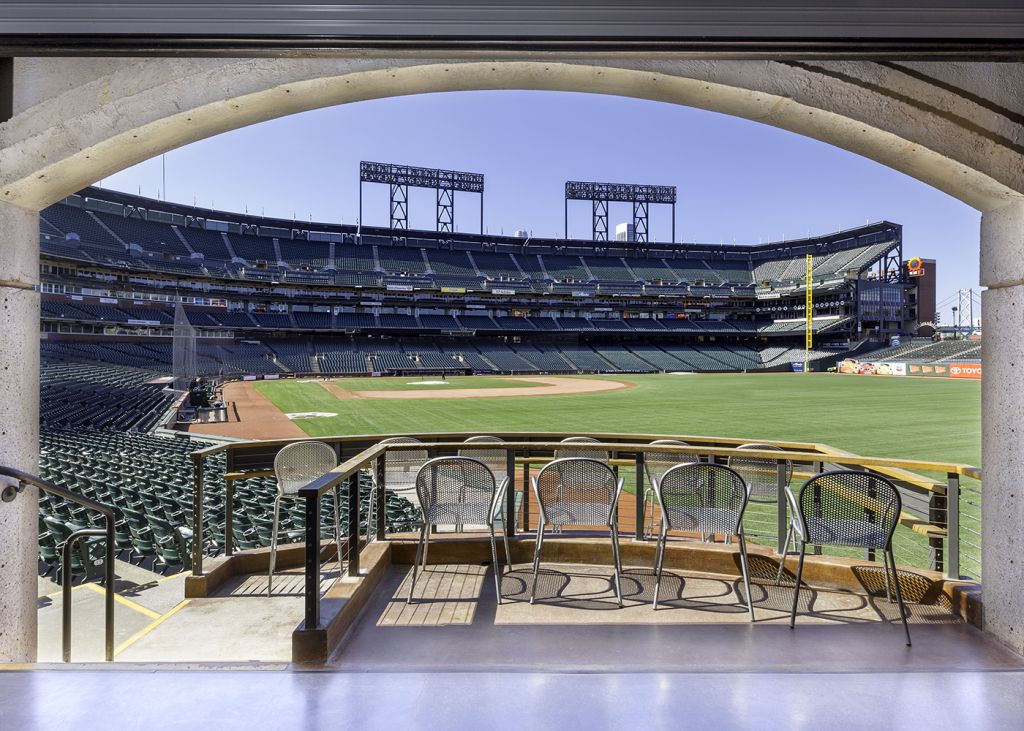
[184, 351]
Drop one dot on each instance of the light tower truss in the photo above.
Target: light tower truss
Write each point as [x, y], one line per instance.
[601, 194]
[401, 177]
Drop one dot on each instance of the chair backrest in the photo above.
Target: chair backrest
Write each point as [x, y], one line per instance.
[703, 498]
[849, 508]
[762, 475]
[444, 483]
[298, 464]
[400, 468]
[576, 491]
[658, 463]
[578, 449]
[495, 459]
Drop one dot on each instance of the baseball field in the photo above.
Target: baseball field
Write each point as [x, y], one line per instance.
[915, 418]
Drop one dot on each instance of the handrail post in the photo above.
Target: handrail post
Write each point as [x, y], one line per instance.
[641, 503]
[509, 524]
[312, 599]
[229, 517]
[781, 509]
[66, 578]
[953, 525]
[526, 494]
[108, 609]
[352, 483]
[197, 514]
[381, 496]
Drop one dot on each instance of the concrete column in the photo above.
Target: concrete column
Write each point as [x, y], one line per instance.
[1002, 419]
[19, 428]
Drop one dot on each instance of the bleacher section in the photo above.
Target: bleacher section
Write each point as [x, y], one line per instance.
[923, 350]
[148, 481]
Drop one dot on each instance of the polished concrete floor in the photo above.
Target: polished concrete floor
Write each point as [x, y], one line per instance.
[284, 700]
[457, 659]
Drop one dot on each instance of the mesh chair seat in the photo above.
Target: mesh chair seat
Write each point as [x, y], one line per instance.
[702, 520]
[457, 513]
[851, 533]
[576, 513]
[455, 491]
[852, 509]
[577, 491]
[706, 498]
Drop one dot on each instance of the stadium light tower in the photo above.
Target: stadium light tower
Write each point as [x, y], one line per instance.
[400, 177]
[601, 194]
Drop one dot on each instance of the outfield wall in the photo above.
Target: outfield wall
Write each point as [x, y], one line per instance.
[928, 370]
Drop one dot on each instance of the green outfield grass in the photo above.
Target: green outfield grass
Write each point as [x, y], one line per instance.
[914, 418]
[417, 383]
[918, 418]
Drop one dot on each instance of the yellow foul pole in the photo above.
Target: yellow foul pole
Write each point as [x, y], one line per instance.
[808, 313]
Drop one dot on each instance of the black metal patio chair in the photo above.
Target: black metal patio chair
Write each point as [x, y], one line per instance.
[853, 510]
[458, 491]
[577, 491]
[704, 498]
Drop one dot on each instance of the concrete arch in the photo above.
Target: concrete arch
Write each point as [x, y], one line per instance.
[956, 126]
[115, 115]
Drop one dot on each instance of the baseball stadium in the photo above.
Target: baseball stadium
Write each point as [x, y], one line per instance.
[589, 366]
[186, 352]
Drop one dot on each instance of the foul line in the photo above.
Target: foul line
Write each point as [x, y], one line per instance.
[126, 602]
[150, 627]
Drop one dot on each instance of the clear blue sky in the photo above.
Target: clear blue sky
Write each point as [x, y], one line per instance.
[739, 181]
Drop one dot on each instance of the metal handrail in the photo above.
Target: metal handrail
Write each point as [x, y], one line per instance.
[634, 446]
[23, 478]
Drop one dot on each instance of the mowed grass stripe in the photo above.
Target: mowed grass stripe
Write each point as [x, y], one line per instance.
[915, 418]
[416, 383]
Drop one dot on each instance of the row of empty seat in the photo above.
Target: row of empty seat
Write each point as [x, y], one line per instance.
[108, 237]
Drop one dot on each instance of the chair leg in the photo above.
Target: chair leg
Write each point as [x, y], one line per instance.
[745, 568]
[416, 562]
[498, 570]
[796, 589]
[508, 553]
[273, 544]
[659, 563]
[782, 558]
[617, 561]
[888, 585]
[536, 560]
[337, 528]
[899, 595]
[426, 548]
[650, 521]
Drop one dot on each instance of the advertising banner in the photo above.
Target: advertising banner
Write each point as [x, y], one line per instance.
[503, 291]
[965, 370]
[872, 368]
[929, 369]
[797, 366]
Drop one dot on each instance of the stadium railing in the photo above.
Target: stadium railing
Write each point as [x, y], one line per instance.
[931, 506]
[10, 492]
